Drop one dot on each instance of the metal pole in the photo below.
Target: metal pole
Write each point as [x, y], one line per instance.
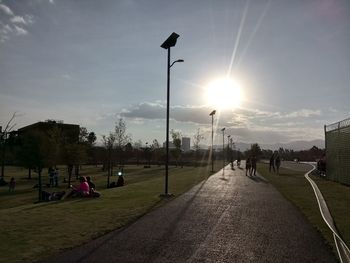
[223, 151]
[212, 138]
[167, 125]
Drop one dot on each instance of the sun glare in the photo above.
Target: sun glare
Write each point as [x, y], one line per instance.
[224, 94]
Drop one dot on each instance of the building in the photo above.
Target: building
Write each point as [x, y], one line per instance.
[171, 145]
[69, 133]
[186, 144]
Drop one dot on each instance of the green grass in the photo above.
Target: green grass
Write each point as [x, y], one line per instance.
[294, 187]
[337, 197]
[32, 231]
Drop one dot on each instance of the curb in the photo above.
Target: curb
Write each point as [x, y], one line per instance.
[342, 249]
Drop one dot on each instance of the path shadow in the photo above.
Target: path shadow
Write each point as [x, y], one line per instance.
[257, 179]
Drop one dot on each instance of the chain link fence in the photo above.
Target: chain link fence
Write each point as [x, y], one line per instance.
[337, 137]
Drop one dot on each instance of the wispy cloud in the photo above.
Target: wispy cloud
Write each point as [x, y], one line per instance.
[26, 20]
[305, 113]
[247, 124]
[5, 9]
[13, 24]
[20, 31]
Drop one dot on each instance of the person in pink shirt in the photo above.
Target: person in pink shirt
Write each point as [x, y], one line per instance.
[82, 190]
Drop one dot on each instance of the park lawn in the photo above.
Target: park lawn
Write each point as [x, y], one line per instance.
[31, 232]
[337, 197]
[294, 187]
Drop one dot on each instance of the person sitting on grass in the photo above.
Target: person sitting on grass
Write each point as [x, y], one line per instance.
[83, 190]
[120, 181]
[93, 192]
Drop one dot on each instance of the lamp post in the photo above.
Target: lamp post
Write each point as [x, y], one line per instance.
[231, 151]
[228, 148]
[168, 43]
[212, 138]
[223, 150]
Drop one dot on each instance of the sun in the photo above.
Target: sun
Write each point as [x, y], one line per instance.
[224, 93]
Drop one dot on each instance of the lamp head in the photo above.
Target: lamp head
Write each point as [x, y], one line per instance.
[171, 41]
[212, 113]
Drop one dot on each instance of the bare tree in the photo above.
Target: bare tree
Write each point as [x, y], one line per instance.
[3, 139]
[197, 138]
[121, 138]
[177, 143]
[109, 143]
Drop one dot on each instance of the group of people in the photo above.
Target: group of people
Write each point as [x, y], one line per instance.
[53, 177]
[250, 165]
[86, 188]
[275, 163]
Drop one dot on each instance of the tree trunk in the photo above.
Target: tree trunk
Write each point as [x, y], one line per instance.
[70, 170]
[39, 184]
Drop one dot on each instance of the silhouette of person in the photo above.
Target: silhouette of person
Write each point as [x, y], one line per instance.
[12, 185]
[248, 166]
[253, 162]
[278, 163]
[272, 163]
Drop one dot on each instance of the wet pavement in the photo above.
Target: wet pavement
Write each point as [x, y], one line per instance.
[230, 218]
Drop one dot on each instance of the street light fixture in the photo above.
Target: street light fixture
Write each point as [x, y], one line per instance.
[168, 43]
[223, 150]
[212, 138]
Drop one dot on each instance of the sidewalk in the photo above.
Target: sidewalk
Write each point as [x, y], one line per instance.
[224, 219]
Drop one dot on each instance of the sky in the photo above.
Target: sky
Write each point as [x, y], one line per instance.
[92, 62]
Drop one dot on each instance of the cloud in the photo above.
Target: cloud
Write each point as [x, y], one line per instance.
[20, 31]
[18, 20]
[67, 76]
[51, 1]
[6, 10]
[247, 125]
[26, 20]
[13, 24]
[305, 113]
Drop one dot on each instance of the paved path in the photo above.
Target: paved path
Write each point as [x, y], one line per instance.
[224, 219]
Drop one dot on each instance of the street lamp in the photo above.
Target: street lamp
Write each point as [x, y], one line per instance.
[228, 146]
[223, 150]
[212, 138]
[168, 43]
[231, 152]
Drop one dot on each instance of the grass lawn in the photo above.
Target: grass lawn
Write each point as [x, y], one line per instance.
[337, 197]
[293, 186]
[32, 231]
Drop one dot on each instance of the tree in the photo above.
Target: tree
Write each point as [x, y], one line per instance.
[3, 140]
[91, 138]
[121, 138]
[109, 143]
[255, 150]
[157, 151]
[197, 138]
[137, 149]
[177, 143]
[34, 154]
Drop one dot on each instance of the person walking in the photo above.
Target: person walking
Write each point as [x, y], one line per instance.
[12, 185]
[248, 166]
[51, 176]
[253, 162]
[278, 164]
[55, 177]
[272, 163]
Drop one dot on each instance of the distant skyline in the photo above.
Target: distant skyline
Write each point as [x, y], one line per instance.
[92, 62]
